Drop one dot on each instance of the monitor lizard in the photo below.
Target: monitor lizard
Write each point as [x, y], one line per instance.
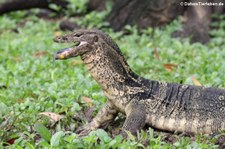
[165, 106]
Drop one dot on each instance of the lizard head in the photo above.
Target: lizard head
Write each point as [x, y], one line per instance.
[95, 45]
[83, 40]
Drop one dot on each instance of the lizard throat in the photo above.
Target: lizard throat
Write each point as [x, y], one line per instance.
[101, 71]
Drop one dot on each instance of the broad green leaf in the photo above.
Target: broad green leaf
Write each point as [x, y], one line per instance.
[43, 132]
[56, 138]
[103, 135]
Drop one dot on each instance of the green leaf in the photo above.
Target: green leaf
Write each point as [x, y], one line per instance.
[44, 144]
[56, 138]
[103, 135]
[76, 107]
[1, 146]
[30, 146]
[43, 131]
[54, 7]
[3, 108]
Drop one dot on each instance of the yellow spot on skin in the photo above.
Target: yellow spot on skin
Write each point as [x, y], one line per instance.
[181, 127]
[58, 33]
[61, 56]
[170, 124]
[208, 126]
[195, 125]
[160, 121]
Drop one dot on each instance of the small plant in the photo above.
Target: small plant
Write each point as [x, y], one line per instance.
[76, 6]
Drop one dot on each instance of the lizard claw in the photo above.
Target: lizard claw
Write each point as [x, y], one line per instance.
[83, 130]
[124, 134]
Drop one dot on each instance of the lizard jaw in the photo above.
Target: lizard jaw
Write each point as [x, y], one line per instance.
[69, 52]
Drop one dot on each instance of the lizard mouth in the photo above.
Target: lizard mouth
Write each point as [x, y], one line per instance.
[68, 52]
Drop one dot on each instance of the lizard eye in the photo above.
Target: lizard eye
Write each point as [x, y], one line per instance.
[77, 34]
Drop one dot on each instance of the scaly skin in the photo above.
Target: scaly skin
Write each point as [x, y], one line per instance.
[165, 106]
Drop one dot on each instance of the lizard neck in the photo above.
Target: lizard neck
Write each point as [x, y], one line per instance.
[111, 72]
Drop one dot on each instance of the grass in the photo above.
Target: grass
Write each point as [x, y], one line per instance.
[30, 83]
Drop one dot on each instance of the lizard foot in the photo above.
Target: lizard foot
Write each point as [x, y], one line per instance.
[124, 134]
[83, 130]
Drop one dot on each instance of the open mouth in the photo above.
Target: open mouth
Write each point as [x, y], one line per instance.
[77, 43]
[68, 52]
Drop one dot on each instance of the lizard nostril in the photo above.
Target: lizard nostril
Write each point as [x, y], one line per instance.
[64, 38]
